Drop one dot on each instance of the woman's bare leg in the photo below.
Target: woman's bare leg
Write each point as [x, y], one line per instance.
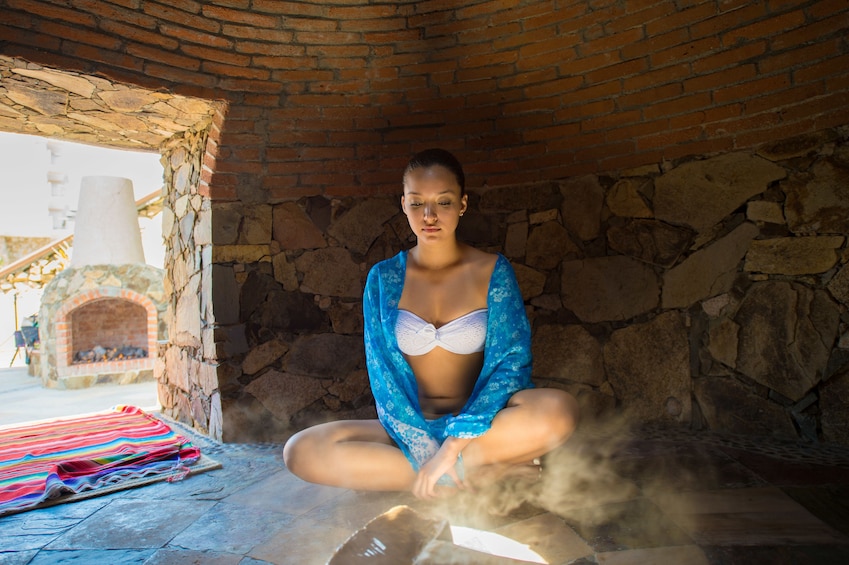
[359, 454]
[356, 454]
[534, 422]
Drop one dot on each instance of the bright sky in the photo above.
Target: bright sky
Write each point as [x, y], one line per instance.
[25, 193]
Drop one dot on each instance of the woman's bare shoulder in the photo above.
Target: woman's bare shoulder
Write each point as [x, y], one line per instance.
[481, 261]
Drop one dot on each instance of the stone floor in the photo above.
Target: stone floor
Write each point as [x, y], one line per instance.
[610, 496]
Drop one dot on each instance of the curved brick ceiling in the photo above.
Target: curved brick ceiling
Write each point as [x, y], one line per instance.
[332, 97]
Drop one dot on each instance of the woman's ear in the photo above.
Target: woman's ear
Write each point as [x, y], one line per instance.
[464, 204]
[402, 204]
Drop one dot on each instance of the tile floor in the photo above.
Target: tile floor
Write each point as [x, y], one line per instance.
[607, 497]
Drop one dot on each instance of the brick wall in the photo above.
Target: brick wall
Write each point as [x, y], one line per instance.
[331, 97]
[109, 323]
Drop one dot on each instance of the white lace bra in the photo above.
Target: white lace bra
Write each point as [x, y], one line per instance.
[463, 335]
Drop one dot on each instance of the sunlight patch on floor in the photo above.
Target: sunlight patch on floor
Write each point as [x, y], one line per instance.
[494, 544]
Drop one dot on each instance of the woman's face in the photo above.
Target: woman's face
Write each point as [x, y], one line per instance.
[432, 202]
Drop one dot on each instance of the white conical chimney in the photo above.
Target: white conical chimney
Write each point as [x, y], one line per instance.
[106, 227]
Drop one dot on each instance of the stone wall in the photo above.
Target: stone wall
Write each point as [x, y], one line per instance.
[709, 293]
[186, 365]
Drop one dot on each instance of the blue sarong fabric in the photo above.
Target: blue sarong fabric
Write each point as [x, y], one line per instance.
[506, 364]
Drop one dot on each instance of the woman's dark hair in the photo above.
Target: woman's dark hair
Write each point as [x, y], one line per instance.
[441, 157]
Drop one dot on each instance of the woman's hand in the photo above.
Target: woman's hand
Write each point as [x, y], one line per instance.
[442, 463]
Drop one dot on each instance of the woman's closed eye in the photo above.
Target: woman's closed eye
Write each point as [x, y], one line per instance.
[420, 204]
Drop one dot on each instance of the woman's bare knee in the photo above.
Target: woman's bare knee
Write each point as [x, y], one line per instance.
[304, 450]
[556, 412]
[297, 452]
[564, 415]
[309, 454]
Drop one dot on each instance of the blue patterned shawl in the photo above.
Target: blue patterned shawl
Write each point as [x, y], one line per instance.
[506, 364]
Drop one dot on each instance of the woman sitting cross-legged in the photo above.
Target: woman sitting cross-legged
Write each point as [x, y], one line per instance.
[448, 351]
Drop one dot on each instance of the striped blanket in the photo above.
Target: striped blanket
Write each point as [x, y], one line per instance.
[45, 460]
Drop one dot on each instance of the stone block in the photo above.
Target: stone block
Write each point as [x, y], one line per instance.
[264, 355]
[531, 282]
[648, 366]
[226, 218]
[567, 353]
[709, 271]
[798, 146]
[547, 245]
[838, 286]
[293, 229]
[350, 387]
[361, 225]
[608, 288]
[651, 241]
[256, 225]
[765, 211]
[723, 342]
[225, 299]
[510, 199]
[515, 243]
[818, 201]
[537, 218]
[347, 318]
[286, 394]
[625, 198]
[583, 198]
[700, 194]
[793, 255]
[240, 253]
[284, 271]
[786, 334]
[330, 271]
[187, 320]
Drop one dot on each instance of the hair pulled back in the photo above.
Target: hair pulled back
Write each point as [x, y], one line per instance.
[441, 157]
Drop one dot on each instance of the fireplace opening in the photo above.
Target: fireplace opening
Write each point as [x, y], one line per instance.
[100, 354]
[94, 327]
[108, 330]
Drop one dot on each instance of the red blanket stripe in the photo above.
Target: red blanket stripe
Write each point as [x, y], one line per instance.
[72, 455]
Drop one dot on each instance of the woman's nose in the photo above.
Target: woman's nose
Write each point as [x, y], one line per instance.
[429, 212]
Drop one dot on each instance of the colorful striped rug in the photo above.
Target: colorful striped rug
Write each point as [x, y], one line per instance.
[42, 461]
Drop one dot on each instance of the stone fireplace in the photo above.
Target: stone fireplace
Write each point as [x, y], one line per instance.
[100, 318]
